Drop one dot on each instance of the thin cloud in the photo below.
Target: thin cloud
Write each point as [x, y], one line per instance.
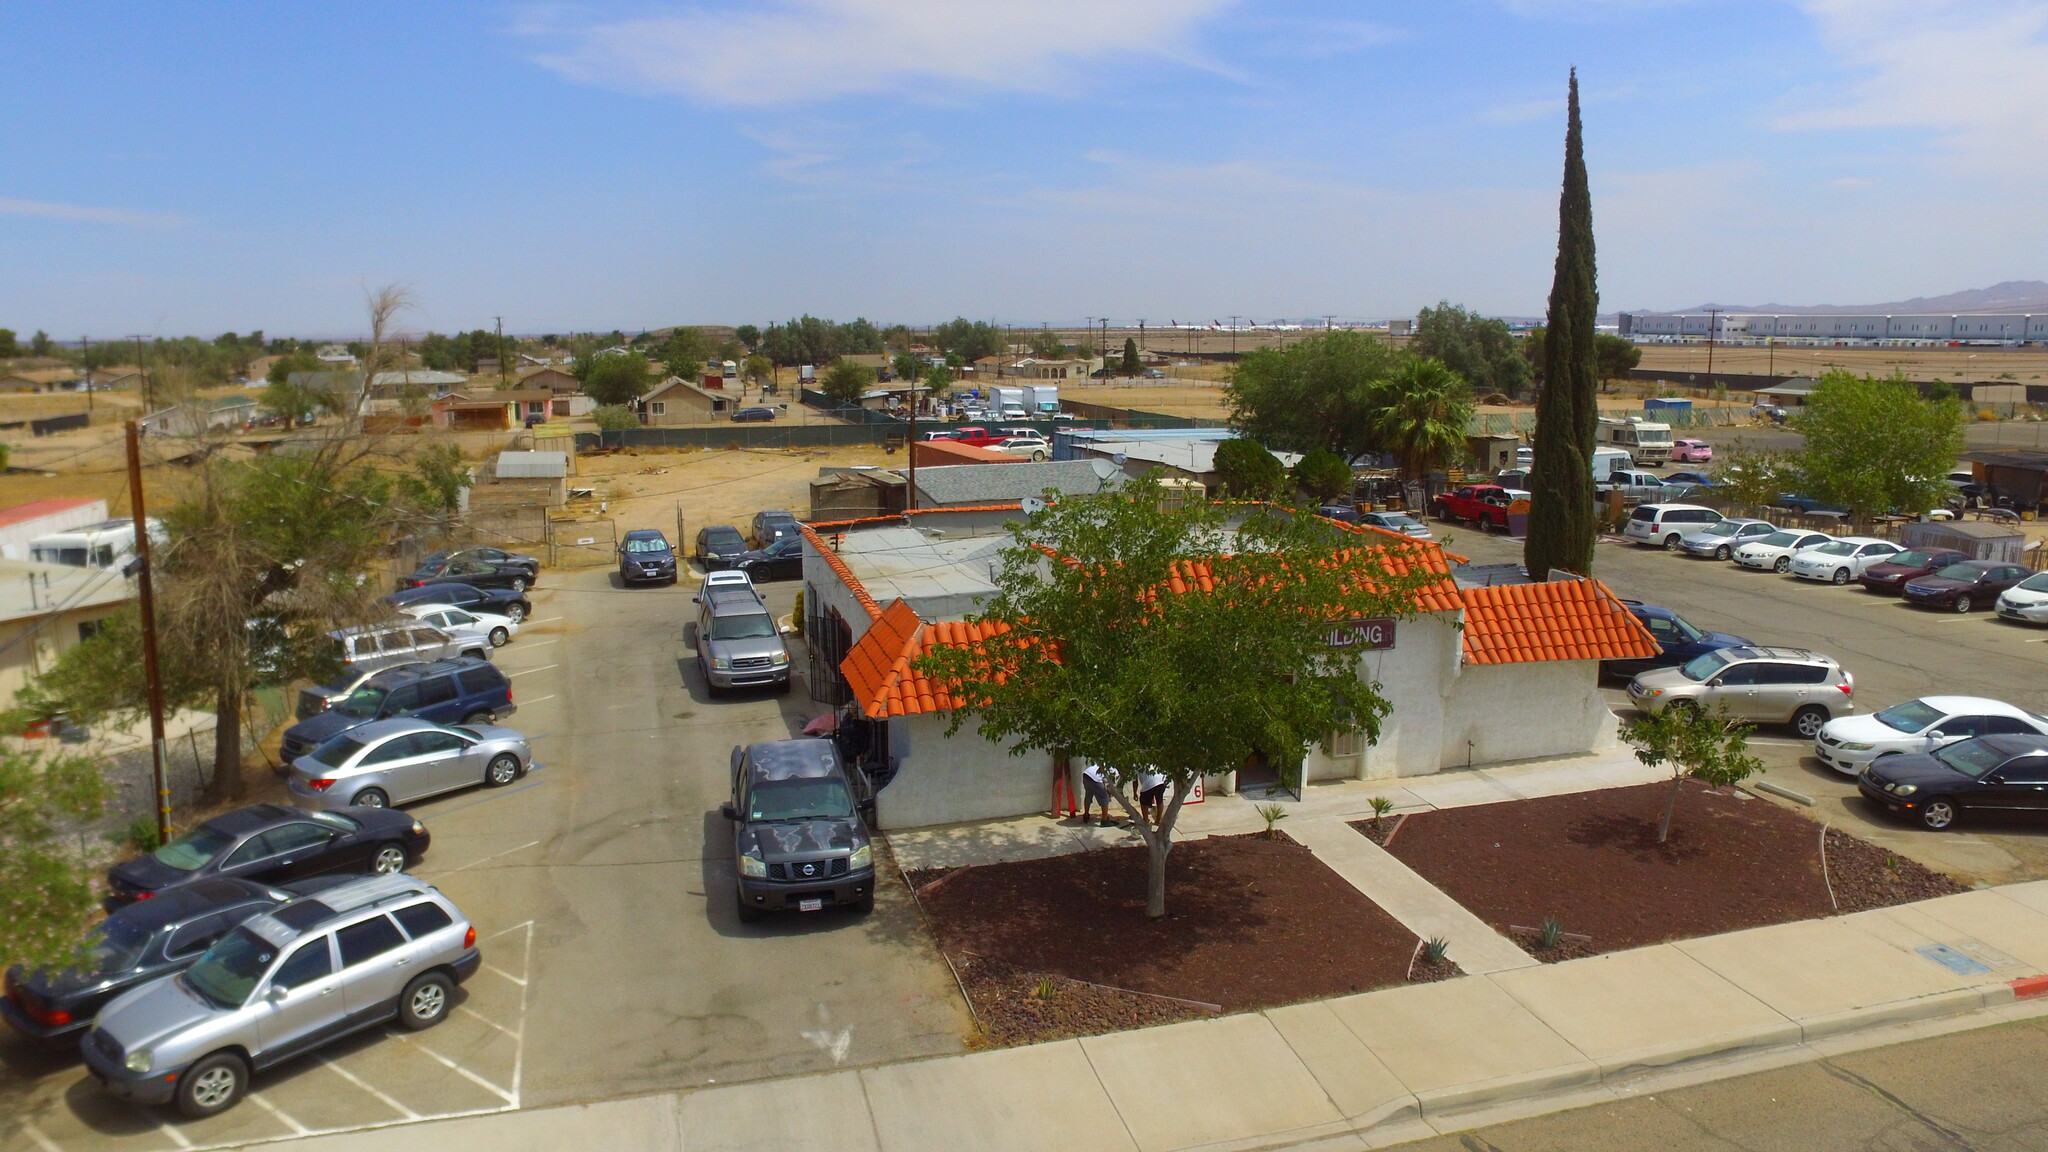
[803, 51]
[1974, 74]
[87, 214]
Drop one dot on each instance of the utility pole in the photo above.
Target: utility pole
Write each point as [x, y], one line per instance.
[84, 354]
[1329, 322]
[501, 355]
[910, 448]
[1233, 334]
[147, 592]
[1713, 322]
[1141, 333]
[148, 387]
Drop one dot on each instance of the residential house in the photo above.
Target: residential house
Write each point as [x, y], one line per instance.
[338, 391]
[1475, 676]
[47, 608]
[490, 410]
[222, 414]
[548, 376]
[973, 485]
[856, 493]
[678, 401]
[25, 522]
[1182, 453]
[1033, 368]
[389, 390]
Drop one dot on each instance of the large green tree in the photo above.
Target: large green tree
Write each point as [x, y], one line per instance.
[969, 339]
[1875, 446]
[620, 378]
[8, 346]
[1423, 414]
[683, 353]
[1248, 471]
[1478, 348]
[1322, 475]
[809, 340]
[46, 884]
[1047, 345]
[1561, 512]
[1321, 392]
[1130, 365]
[845, 381]
[1099, 660]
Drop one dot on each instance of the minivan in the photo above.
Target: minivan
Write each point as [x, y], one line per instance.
[462, 691]
[1663, 525]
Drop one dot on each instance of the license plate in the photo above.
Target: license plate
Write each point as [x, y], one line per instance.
[810, 903]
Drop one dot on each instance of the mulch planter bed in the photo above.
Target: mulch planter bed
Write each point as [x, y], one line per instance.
[1061, 947]
[1591, 861]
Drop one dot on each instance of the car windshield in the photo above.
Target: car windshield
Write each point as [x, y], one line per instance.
[334, 820]
[715, 536]
[1398, 520]
[2038, 582]
[337, 751]
[751, 626]
[1837, 548]
[1704, 667]
[190, 852]
[799, 800]
[1971, 757]
[1721, 528]
[1781, 539]
[115, 946]
[1912, 716]
[229, 970]
[364, 702]
[1961, 573]
[1911, 559]
[647, 544]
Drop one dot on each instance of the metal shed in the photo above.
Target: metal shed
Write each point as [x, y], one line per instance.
[1982, 539]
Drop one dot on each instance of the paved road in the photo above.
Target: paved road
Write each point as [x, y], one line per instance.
[615, 962]
[1974, 1091]
[1895, 652]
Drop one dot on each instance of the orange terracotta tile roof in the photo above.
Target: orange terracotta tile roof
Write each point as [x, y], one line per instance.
[1560, 620]
[1403, 556]
[878, 667]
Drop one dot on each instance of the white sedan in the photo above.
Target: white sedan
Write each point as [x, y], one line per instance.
[1400, 522]
[1773, 553]
[1030, 447]
[464, 625]
[2027, 600]
[1848, 744]
[1840, 561]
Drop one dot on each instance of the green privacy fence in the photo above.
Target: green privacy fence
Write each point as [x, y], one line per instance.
[1524, 423]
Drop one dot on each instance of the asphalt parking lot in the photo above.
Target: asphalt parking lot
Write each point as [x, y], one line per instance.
[1894, 651]
[600, 884]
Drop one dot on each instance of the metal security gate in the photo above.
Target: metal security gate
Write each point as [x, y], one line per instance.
[582, 543]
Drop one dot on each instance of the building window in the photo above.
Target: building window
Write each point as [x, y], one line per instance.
[87, 629]
[659, 407]
[1350, 743]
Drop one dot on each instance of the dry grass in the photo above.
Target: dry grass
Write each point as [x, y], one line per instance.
[1956, 365]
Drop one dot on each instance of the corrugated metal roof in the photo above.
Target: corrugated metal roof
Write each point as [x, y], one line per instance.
[981, 484]
[533, 465]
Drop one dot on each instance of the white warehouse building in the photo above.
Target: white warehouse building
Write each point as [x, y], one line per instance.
[1736, 327]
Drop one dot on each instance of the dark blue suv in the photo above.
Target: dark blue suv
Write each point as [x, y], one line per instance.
[645, 555]
[462, 691]
[1679, 640]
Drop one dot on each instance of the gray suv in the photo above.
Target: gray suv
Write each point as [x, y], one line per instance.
[738, 644]
[799, 843]
[1762, 685]
[286, 981]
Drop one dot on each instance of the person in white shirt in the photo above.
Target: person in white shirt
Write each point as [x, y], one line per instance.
[1095, 788]
[1152, 796]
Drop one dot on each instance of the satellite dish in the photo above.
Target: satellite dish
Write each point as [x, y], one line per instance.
[1119, 459]
[1032, 505]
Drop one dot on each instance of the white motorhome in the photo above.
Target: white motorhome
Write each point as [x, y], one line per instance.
[1647, 443]
[107, 544]
[1607, 461]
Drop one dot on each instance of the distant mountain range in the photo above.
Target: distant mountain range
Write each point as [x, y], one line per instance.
[2011, 296]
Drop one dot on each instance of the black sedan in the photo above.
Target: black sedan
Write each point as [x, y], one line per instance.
[782, 560]
[499, 601]
[2007, 774]
[136, 944]
[476, 573]
[272, 844]
[719, 545]
[485, 555]
[1961, 587]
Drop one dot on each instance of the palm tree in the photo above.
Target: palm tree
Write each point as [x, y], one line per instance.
[1424, 408]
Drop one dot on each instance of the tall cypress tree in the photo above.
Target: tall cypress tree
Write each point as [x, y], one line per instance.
[1561, 505]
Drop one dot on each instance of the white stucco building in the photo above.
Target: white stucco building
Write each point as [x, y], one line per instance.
[1475, 676]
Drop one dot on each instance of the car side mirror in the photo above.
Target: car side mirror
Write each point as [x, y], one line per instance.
[1716, 682]
[277, 993]
[728, 811]
[696, 599]
[1937, 734]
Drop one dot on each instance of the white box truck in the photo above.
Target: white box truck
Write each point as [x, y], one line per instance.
[1042, 399]
[1008, 403]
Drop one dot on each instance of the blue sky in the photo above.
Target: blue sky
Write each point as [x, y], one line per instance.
[196, 168]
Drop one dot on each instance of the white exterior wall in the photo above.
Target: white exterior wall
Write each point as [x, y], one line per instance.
[1522, 711]
[824, 588]
[14, 538]
[942, 781]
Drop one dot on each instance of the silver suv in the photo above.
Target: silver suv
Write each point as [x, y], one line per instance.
[738, 644]
[1762, 685]
[286, 981]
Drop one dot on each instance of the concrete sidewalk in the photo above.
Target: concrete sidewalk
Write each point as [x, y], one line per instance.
[1036, 836]
[1376, 1068]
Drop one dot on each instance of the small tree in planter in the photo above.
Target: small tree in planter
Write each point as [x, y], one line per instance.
[1705, 746]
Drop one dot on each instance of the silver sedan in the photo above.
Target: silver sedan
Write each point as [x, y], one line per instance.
[394, 761]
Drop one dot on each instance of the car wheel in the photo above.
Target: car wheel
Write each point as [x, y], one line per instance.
[519, 583]
[371, 798]
[1841, 576]
[502, 770]
[389, 859]
[1961, 605]
[424, 1003]
[1038, 457]
[1723, 552]
[1784, 564]
[500, 636]
[517, 612]
[480, 716]
[1671, 542]
[213, 1085]
[1809, 720]
[1939, 814]
[747, 912]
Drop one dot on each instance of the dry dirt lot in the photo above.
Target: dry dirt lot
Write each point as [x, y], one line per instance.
[1956, 365]
[644, 489]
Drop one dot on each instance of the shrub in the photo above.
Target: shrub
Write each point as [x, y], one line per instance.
[615, 417]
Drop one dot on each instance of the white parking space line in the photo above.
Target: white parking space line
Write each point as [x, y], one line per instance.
[283, 1117]
[548, 620]
[487, 1021]
[524, 671]
[465, 1073]
[358, 1081]
[494, 970]
[536, 700]
[42, 1141]
[495, 855]
[176, 1136]
[539, 643]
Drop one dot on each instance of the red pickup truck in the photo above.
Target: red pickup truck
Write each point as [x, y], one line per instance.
[1483, 504]
[978, 436]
